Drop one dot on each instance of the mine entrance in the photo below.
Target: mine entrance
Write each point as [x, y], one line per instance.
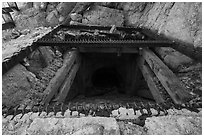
[103, 74]
[96, 69]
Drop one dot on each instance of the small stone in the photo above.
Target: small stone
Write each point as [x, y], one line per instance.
[11, 125]
[76, 17]
[4, 121]
[28, 121]
[34, 115]
[18, 125]
[61, 19]
[74, 114]
[25, 117]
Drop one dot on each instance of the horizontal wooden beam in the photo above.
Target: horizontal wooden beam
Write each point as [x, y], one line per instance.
[108, 50]
[104, 43]
[167, 78]
[149, 77]
[60, 76]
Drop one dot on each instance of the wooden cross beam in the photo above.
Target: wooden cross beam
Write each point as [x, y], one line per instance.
[56, 82]
[150, 78]
[64, 90]
[167, 78]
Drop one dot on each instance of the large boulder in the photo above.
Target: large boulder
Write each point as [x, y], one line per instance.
[16, 84]
[60, 13]
[53, 18]
[98, 15]
[174, 125]
[30, 19]
[24, 5]
[79, 126]
[64, 8]
[51, 6]
[176, 20]
[40, 5]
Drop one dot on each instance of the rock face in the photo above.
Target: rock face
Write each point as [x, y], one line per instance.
[24, 5]
[76, 126]
[60, 13]
[176, 20]
[52, 18]
[30, 19]
[174, 125]
[16, 83]
[98, 15]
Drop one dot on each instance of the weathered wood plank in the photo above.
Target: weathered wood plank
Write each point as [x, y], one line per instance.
[149, 77]
[108, 50]
[60, 76]
[65, 88]
[167, 78]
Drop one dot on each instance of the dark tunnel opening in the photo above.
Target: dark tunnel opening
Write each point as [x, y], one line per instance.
[107, 77]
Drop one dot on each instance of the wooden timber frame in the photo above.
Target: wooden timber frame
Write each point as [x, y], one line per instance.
[63, 78]
[149, 78]
[167, 78]
[150, 65]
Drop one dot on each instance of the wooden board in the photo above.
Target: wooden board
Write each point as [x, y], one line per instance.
[65, 88]
[149, 77]
[108, 50]
[60, 76]
[167, 78]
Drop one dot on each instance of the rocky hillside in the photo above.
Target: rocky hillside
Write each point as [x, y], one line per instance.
[178, 20]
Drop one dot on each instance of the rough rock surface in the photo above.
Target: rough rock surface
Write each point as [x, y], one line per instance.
[66, 126]
[52, 18]
[16, 85]
[174, 125]
[130, 129]
[24, 5]
[64, 9]
[15, 45]
[98, 15]
[178, 20]
[180, 122]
